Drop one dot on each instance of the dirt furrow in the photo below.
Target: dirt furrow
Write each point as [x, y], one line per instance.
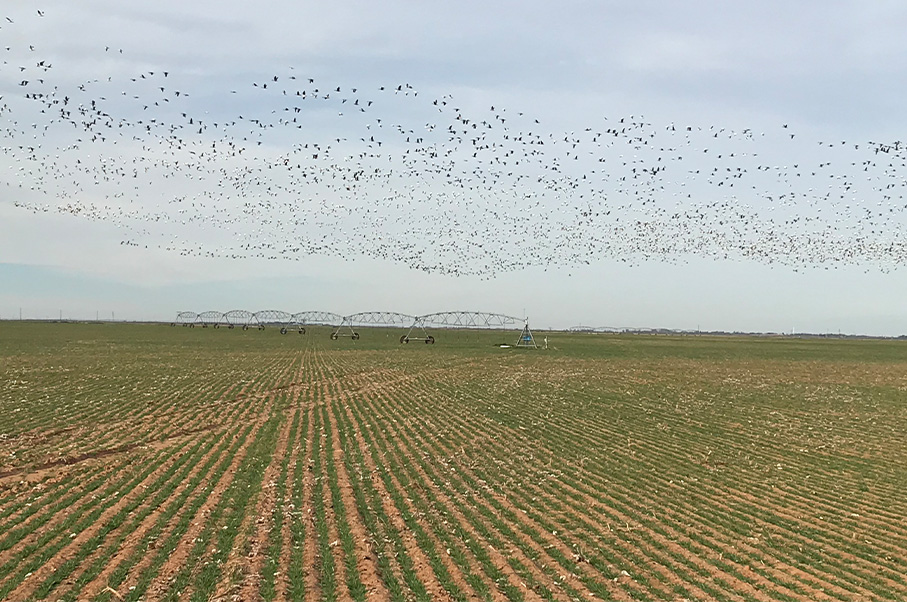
[372, 469]
[288, 509]
[310, 544]
[497, 558]
[178, 557]
[721, 548]
[412, 464]
[297, 405]
[617, 518]
[128, 548]
[75, 542]
[753, 589]
[365, 557]
[251, 564]
[330, 514]
[135, 571]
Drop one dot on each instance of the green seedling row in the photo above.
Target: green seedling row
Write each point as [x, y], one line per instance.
[134, 462]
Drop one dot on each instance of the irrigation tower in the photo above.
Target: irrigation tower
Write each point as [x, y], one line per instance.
[526, 339]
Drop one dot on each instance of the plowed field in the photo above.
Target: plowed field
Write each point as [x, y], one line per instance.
[144, 462]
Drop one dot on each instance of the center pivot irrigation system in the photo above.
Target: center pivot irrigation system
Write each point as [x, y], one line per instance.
[345, 326]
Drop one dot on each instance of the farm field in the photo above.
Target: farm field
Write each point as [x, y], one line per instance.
[144, 462]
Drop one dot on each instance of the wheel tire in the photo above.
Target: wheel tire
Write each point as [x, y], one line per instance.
[283, 331]
[245, 327]
[430, 340]
[230, 326]
[355, 336]
[403, 339]
[333, 336]
[302, 331]
[217, 326]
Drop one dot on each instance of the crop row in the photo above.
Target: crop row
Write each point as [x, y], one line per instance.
[335, 473]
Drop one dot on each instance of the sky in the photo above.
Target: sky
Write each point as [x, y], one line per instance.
[706, 165]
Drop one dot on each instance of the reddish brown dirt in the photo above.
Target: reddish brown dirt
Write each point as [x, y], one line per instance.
[310, 550]
[366, 563]
[391, 511]
[281, 582]
[498, 559]
[23, 591]
[297, 405]
[252, 563]
[103, 453]
[180, 554]
[616, 516]
[553, 542]
[128, 546]
[136, 570]
[340, 568]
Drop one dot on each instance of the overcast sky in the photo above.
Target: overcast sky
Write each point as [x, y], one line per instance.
[825, 70]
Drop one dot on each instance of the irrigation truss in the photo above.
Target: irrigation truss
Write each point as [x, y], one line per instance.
[345, 326]
[469, 319]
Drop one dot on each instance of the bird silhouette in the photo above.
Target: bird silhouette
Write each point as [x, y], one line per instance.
[428, 182]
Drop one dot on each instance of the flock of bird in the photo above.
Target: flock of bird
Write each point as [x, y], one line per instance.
[285, 165]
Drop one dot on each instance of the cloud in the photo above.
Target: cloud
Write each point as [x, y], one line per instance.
[832, 71]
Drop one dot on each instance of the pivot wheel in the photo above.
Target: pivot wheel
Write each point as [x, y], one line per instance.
[430, 340]
[333, 336]
[283, 331]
